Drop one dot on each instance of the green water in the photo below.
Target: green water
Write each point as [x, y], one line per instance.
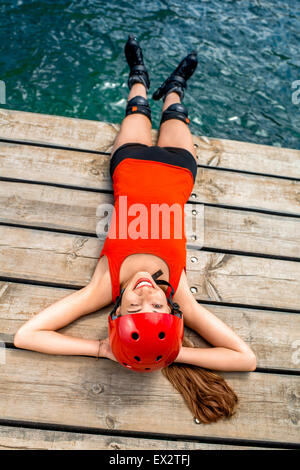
[67, 58]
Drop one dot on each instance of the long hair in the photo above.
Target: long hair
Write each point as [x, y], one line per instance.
[206, 394]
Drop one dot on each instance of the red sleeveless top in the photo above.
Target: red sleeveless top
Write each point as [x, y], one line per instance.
[148, 216]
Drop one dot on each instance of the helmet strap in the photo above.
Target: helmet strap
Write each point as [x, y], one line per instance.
[175, 307]
[113, 315]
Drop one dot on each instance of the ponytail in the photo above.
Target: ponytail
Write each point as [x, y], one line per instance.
[206, 394]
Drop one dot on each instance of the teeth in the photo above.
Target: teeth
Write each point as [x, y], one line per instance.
[144, 283]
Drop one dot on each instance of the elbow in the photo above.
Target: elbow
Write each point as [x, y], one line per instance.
[250, 362]
[20, 339]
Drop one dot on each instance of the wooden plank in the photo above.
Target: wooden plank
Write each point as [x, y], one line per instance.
[247, 191]
[51, 207]
[75, 210]
[19, 438]
[90, 170]
[245, 156]
[225, 278]
[64, 209]
[272, 335]
[71, 259]
[82, 391]
[48, 165]
[253, 232]
[56, 130]
[247, 280]
[94, 135]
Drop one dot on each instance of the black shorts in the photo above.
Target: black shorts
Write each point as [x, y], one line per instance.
[176, 156]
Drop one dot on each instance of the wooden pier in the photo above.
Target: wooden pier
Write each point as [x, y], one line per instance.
[245, 268]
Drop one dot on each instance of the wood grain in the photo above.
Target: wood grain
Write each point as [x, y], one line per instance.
[37, 439]
[56, 166]
[214, 227]
[56, 130]
[70, 260]
[246, 190]
[212, 186]
[82, 391]
[95, 135]
[273, 336]
[60, 189]
[245, 156]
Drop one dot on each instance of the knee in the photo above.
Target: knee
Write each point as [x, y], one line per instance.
[175, 111]
[138, 105]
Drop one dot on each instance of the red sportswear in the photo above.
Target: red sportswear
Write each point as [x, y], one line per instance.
[148, 182]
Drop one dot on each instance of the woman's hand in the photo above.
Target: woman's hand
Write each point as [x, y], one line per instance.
[105, 350]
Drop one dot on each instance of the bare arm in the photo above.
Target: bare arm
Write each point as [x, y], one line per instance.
[230, 352]
[217, 358]
[38, 333]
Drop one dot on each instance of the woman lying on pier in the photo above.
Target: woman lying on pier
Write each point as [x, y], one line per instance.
[145, 276]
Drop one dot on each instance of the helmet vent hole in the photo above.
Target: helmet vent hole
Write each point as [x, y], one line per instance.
[158, 358]
[137, 358]
[147, 368]
[135, 336]
[161, 335]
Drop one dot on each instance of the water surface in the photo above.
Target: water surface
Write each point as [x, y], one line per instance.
[67, 58]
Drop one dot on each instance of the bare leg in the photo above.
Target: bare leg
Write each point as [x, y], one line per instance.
[134, 127]
[175, 133]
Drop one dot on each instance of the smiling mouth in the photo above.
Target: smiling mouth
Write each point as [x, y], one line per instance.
[143, 282]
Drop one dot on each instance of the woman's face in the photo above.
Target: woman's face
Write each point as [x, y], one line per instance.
[142, 294]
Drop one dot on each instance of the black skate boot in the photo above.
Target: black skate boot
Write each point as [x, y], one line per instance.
[176, 82]
[134, 57]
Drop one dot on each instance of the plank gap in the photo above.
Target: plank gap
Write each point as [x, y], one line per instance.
[232, 170]
[52, 146]
[269, 370]
[157, 436]
[108, 191]
[255, 307]
[56, 185]
[209, 167]
[189, 246]
[204, 302]
[246, 209]
[50, 229]
[264, 370]
[39, 283]
[245, 253]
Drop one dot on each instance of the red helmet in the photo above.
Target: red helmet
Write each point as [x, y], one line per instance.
[146, 341]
